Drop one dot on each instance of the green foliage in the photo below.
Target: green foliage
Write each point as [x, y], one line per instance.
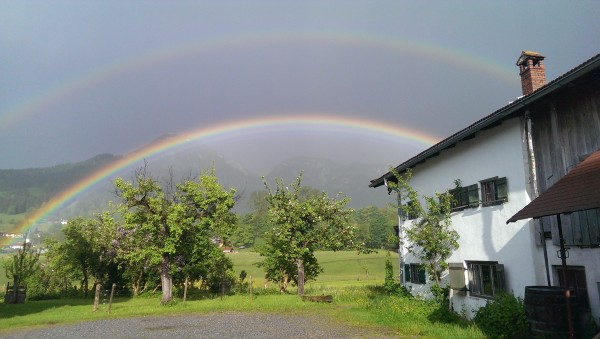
[302, 222]
[441, 294]
[376, 226]
[85, 254]
[390, 283]
[23, 265]
[171, 228]
[430, 237]
[503, 317]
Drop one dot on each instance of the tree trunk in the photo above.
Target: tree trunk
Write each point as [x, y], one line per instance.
[166, 281]
[85, 281]
[300, 265]
[137, 283]
[283, 285]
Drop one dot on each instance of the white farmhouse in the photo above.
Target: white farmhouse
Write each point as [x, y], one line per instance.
[503, 162]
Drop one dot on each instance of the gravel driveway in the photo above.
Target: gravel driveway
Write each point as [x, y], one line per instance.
[214, 325]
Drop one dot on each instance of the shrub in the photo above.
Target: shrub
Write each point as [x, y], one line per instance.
[390, 285]
[503, 317]
[441, 294]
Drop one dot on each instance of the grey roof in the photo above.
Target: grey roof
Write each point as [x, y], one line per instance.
[579, 190]
[511, 110]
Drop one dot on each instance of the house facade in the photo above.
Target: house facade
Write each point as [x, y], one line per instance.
[503, 161]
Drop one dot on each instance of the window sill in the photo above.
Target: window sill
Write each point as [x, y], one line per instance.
[493, 203]
[462, 208]
[479, 296]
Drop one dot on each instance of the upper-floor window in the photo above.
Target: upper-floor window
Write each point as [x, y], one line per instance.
[486, 278]
[494, 191]
[463, 197]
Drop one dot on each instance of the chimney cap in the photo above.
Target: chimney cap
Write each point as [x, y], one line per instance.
[529, 55]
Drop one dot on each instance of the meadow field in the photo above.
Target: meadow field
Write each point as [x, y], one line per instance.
[342, 268]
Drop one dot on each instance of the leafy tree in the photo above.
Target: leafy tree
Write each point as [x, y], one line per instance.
[58, 271]
[376, 225]
[160, 223]
[86, 252]
[246, 231]
[302, 223]
[78, 249]
[23, 264]
[430, 237]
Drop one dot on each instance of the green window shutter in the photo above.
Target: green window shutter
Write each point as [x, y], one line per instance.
[421, 272]
[498, 278]
[407, 272]
[473, 195]
[501, 189]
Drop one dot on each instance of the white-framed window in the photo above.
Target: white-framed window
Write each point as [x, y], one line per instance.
[486, 278]
[494, 191]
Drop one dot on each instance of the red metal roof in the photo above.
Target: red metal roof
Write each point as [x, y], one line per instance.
[578, 190]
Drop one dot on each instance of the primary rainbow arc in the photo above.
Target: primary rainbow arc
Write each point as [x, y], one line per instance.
[332, 124]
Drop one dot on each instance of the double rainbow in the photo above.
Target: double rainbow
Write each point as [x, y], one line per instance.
[233, 129]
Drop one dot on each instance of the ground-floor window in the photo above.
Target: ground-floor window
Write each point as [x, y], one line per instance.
[486, 278]
[577, 283]
[415, 273]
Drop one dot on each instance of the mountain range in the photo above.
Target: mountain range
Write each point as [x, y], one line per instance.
[23, 190]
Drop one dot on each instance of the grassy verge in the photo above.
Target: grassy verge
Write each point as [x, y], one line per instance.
[362, 306]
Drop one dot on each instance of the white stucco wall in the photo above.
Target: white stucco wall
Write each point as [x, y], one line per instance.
[484, 234]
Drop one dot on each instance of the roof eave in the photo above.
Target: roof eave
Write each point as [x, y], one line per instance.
[499, 115]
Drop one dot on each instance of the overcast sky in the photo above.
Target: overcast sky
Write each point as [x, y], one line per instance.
[81, 78]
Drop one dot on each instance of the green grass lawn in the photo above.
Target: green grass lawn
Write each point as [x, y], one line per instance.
[356, 301]
[356, 306]
[339, 268]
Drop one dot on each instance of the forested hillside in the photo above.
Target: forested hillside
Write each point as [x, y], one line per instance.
[26, 189]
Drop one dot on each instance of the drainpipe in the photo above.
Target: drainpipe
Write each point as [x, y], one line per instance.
[533, 174]
[563, 259]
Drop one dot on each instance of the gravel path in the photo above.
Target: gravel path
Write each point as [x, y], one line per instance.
[214, 325]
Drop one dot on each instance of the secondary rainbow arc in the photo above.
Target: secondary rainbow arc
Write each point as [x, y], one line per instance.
[35, 104]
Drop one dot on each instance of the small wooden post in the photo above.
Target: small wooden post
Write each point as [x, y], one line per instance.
[112, 292]
[97, 298]
[250, 288]
[222, 288]
[185, 288]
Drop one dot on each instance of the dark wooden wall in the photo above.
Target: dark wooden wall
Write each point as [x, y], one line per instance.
[566, 129]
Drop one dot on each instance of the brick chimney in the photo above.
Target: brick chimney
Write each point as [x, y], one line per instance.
[531, 69]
